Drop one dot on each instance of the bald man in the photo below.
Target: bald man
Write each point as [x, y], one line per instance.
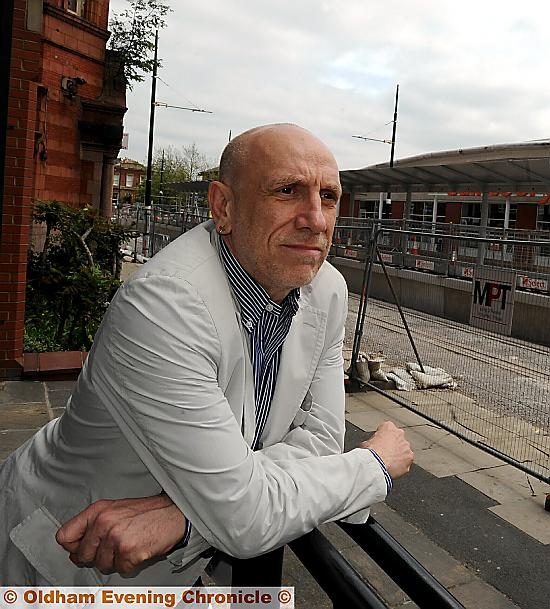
[210, 411]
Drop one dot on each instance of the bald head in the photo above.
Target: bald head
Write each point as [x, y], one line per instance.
[238, 153]
[275, 205]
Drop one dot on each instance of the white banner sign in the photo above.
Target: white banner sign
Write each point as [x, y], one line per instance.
[493, 300]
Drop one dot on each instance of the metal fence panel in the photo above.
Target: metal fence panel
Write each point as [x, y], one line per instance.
[502, 400]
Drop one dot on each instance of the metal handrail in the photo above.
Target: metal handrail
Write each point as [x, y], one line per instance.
[413, 578]
[341, 582]
[347, 588]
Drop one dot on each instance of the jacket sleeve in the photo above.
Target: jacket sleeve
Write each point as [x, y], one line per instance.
[157, 375]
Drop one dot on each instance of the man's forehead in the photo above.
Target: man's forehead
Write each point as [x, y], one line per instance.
[326, 179]
[280, 151]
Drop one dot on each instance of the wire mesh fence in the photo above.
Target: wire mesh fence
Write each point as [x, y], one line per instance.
[501, 402]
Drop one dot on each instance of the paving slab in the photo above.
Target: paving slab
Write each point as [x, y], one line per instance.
[528, 516]
[23, 416]
[423, 437]
[477, 594]
[56, 385]
[58, 397]
[17, 392]
[448, 461]
[522, 447]
[10, 440]
[489, 424]
[373, 399]
[370, 419]
[507, 484]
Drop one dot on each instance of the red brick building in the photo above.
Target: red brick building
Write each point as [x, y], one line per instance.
[60, 132]
[129, 176]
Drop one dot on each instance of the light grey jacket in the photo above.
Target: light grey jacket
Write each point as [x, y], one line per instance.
[166, 401]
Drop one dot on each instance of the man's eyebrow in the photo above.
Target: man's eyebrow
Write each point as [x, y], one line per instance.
[333, 187]
[286, 181]
[291, 179]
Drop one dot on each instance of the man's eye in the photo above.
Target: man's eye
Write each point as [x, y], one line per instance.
[286, 190]
[328, 194]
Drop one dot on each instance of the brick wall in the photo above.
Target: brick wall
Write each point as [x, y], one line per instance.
[18, 190]
[47, 156]
[72, 47]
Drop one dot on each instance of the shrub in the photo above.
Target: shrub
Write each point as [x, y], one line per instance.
[72, 280]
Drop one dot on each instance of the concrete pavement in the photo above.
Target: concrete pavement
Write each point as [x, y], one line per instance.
[476, 523]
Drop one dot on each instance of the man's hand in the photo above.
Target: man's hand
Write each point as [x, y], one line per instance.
[391, 446]
[118, 535]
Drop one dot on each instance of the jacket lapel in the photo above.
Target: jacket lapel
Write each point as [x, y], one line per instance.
[300, 355]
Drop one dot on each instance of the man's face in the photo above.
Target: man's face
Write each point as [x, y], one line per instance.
[284, 209]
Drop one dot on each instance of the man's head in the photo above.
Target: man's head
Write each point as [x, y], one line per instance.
[276, 204]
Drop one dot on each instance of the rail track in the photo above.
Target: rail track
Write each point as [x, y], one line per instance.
[424, 331]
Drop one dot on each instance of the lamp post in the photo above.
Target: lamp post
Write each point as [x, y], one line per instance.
[391, 142]
[154, 103]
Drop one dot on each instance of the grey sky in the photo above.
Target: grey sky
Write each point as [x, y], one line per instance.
[471, 73]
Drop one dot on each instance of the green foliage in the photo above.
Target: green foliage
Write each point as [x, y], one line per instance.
[180, 165]
[71, 281]
[133, 36]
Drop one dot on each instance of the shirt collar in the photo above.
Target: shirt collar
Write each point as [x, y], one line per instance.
[250, 295]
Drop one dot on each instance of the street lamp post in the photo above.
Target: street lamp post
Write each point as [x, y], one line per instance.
[391, 142]
[154, 104]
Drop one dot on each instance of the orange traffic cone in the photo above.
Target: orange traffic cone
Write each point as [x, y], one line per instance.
[414, 248]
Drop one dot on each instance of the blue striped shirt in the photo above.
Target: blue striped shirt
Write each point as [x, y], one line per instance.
[267, 324]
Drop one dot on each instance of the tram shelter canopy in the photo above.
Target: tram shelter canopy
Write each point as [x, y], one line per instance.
[523, 167]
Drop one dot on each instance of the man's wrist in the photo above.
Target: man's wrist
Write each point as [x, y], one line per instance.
[389, 481]
[185, 539]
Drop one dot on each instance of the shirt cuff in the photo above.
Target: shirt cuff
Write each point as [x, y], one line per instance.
[185, 539]
[389, 481]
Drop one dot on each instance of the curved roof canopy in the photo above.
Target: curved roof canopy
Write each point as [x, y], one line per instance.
[521, 167]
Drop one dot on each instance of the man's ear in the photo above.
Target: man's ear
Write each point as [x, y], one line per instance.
[220, 199]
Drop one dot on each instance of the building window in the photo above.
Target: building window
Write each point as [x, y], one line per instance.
[115, 198]
[543, 217]
[422, 211]
[497, 213]
[76, 6]
[129, 180]
[471, 213]
[141, 178]
[368, 209]
[116, 179]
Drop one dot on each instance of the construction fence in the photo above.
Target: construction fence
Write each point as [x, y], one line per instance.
[463, 303]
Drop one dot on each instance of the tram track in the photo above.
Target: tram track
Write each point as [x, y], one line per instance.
[433, 320]
[528, 371]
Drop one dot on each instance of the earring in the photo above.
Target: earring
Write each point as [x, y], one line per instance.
[221, 229]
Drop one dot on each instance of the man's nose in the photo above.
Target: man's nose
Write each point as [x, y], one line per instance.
[311, 215]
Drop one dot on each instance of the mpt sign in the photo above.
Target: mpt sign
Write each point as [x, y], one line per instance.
[492, 306]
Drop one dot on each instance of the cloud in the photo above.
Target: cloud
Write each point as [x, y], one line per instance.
[470, 73]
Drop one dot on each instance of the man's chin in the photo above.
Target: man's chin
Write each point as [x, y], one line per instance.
[306, 276]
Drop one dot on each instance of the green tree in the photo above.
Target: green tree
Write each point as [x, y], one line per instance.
[71, 281]
[180, 165]
[133, 36]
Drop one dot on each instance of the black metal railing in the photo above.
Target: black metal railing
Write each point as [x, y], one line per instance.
[347, 588]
